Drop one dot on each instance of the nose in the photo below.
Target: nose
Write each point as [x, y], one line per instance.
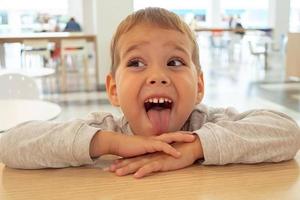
[158, 79]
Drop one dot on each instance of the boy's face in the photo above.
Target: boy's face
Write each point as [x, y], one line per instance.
[156, 83]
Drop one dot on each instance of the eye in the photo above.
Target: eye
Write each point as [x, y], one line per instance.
[135, 63]
[176, 62]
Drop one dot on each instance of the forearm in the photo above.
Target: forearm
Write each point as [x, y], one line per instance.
[101, 143]
[37, 144]
[197, 149]
[259, 136]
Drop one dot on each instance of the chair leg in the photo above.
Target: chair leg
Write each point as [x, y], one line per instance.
[63, 75]
[266, 60]
[86, 73]
[22, 59]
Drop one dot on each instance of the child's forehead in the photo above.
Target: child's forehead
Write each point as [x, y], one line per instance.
[143, 29]
[144, 34]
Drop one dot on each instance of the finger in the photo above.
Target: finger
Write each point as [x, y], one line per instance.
[118, 160]
[129, 169]
[176, 137]
[121, 163]
[164, 147]
[113, 167]
[125, 162]
[148, 169]
[118, 163]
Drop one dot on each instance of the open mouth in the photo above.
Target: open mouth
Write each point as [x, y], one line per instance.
[159, 111]
[158, 104]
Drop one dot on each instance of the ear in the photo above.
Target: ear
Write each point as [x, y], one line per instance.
[200, 86]
[111, 90]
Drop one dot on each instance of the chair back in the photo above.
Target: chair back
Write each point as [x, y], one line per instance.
[74, 47]
[17, 86]
[37, 47]
[251, 47]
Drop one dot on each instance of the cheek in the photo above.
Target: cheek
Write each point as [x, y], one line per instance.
[127, 90]
[188, 89]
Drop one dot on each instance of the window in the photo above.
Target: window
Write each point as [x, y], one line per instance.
[192, 11]
[31, 15]
[252, 13]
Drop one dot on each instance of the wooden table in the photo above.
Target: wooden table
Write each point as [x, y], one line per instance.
[279, 181]
[54, 37]
[13, 112]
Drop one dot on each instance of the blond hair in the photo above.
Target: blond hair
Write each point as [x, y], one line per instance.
[156, 16]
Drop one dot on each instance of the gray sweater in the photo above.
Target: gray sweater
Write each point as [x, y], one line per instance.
[226, 136]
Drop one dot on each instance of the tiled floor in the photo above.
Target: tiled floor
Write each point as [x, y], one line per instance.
[232, 78]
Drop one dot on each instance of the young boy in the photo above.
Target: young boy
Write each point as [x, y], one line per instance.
[157, 81]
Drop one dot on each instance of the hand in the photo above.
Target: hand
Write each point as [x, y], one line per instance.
[129, 146]
[146, 164]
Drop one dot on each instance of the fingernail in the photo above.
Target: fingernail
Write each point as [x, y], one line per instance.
[106, 169]
[112, 168]
[193, 136]
[136, 175]
[119, 172]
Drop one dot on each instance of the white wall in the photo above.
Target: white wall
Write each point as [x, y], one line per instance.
[89, 16]
[214, 13]
[101, 17]
[279, 15]
[109, 14]
[75, 10]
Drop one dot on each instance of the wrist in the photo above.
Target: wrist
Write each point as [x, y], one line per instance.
[197, 150]
[101, 144]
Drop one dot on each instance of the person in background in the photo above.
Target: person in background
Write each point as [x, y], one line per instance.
[231, 22]
[239, 27]
[72, 26]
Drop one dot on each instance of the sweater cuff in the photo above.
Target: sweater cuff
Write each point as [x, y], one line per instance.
[81, 144]
[210, 146]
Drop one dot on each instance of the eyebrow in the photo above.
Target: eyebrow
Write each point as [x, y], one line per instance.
[134, 47]
[177, 47]
[143, 43]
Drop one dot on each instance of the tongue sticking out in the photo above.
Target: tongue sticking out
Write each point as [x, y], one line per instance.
[159, 119]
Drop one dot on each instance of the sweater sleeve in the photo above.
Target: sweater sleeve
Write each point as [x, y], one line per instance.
[39, 144]
[250, 137]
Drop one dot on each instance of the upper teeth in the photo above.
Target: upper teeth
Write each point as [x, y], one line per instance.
[158, 100]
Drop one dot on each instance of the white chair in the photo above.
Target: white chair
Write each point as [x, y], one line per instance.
[73, 47]
[35, 48]
[17, 86]
[32, 50]
[258, 51]
[19, 102]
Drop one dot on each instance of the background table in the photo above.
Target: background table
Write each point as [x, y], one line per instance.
[279, 181]
[31, 72]
[54, 37]
[221, 29]
[13, 112]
